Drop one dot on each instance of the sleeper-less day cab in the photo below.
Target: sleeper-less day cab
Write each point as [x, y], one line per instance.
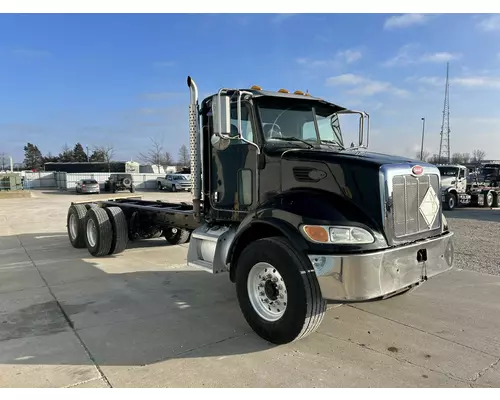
[294, 217]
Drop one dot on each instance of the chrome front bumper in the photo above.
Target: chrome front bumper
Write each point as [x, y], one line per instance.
[358, 277]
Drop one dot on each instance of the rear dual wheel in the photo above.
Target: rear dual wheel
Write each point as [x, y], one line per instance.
[103, 231]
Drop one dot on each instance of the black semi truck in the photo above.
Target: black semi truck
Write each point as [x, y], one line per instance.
[294, 217]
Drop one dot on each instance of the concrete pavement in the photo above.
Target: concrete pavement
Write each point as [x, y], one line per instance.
[143, 319]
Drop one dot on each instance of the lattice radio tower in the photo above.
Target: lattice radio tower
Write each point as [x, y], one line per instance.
[444, 145]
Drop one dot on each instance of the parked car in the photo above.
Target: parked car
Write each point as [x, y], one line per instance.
[87, 186]
[119, 182]
[174, 182]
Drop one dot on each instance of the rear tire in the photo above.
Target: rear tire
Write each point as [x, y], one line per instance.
[489, 199]
[98, 232]
[120, 230]
[176, 235]
[174, 189]
[75, 224]
[299, 309]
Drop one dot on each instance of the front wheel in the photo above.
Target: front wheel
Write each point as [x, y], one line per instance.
[451, 202]
[176, 235]
[278, 293]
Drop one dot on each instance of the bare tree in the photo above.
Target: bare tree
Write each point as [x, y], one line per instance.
[184, 156]
[457, 158]
[478, 156]
[154, 155]
[435, 159]
[167, 159]
[425, 155]
[4, 162]
[107, 152]
[465, 158]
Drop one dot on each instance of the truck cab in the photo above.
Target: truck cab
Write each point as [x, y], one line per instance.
[454, 185]
[281, 199]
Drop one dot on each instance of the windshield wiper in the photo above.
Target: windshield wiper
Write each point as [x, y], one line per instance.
[332, 142]
[293, 139]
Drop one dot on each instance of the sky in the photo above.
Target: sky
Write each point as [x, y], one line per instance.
[102, 79]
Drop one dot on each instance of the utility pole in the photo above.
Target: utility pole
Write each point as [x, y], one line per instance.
[444, 145]
[422, 146]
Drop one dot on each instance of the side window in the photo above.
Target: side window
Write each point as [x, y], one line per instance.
[462, 173]
[246, 123]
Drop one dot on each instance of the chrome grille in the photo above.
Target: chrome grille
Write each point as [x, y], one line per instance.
[408, 192]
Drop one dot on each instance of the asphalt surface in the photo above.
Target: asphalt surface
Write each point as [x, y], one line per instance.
[143, 319]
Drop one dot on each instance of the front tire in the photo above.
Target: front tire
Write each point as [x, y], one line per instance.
[176, 235]
[278, 293]
[451, 202]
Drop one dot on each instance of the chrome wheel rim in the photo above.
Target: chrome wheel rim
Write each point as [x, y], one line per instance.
[91, 232]
[267, 291]
[73, 226]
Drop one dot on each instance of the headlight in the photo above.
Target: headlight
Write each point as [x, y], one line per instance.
[337, 234]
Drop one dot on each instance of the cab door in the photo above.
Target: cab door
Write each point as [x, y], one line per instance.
[461, 180]
[233, 183]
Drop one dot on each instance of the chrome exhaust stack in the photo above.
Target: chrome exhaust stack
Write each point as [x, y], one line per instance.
[194, 144]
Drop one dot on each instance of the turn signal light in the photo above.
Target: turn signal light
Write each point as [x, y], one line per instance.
[317, 233]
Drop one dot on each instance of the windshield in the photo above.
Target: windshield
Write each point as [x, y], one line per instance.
[448, 171]
[283, 120]
[180, 178]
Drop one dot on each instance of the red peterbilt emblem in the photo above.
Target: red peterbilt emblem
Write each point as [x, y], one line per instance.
[417, 170]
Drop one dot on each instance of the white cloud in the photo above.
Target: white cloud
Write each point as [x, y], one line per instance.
[345, 79]
[349, 56]
[490, 23]
[402, 57]
[405, 21]
[278, 18]
[464, 81]
[439, 57]
[406, 55]
[341, 58]
[365, 86]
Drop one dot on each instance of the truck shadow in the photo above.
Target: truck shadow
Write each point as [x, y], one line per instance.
[126, 311]
[478, 214]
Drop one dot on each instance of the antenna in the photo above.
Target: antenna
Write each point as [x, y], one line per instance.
[444, 145]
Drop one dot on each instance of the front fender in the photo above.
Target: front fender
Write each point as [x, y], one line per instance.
[284, 214]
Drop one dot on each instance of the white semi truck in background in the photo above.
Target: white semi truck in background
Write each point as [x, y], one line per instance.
[457, 191]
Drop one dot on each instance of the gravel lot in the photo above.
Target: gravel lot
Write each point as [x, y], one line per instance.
[477, 239]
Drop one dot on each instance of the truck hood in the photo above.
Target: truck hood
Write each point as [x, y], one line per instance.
[350, 156]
